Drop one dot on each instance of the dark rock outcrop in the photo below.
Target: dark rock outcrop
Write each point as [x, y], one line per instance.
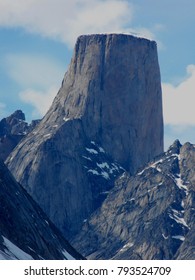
[110, 101]
[150, 215]
[25, 231]
[12, 130]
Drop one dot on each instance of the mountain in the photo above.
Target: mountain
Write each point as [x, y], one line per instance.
[109, 104]
[150, 215]
[12, 130]
[25, 231]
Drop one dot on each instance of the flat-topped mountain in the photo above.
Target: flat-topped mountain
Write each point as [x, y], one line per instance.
[106, 117]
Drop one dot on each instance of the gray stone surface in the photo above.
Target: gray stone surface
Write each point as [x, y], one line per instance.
[24, 224]
[147, 216]
[110, 96]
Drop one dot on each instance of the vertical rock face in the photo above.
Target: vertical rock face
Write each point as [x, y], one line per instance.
[113, 84]
[107, 116]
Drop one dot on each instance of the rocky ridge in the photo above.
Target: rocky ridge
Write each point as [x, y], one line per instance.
[150, 215]
[12, 130]
[107, 100]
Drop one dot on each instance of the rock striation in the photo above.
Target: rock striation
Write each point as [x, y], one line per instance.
[12, 130]
[106, 117]
[25, 231]
[150, 215]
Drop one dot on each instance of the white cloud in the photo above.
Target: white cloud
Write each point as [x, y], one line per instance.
[62, 20]
[40, 100]
[32, 70]
[185, 133]
[65, 20]
[178, 101]
[39, 78]
[3, 110]
[2, 105]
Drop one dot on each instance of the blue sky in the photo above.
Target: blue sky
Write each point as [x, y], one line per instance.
[37, 39]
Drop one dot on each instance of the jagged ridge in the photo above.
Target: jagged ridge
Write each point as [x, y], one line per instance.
[147, 216]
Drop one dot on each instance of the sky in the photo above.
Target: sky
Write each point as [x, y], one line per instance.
[37, 38]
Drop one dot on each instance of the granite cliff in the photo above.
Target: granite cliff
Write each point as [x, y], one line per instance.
[106, 117]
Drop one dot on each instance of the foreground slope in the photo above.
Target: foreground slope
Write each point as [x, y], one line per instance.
[110, 102]
[147, 216]
[25, 231]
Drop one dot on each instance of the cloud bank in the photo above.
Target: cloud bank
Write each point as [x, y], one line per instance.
[38, 77]
[64, 20]
[178, 101]
[32, 70]
[3, 111]
[61, 20]
[40, 100]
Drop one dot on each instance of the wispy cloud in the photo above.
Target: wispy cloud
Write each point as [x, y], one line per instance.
[178, 101]
[3, 110]
[185, 133]
[32, 70]
[40, 100]
[65, 20]
[38, 77]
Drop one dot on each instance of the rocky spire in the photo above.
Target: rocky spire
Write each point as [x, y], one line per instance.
[106, 116]
[113, 85]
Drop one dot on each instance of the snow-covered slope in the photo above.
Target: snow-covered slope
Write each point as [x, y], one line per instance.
[12, 252]
[25, 231]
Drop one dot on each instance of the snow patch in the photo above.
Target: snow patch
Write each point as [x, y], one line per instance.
[91, 151]
[13, 252]
[66, 119]
[88, 158]
[126, 246]
[47, 135]
[106, 192]
[180, 184]
[105, 175]
[154, 164]
[93, 171]
[149, 190]
[122, 176]
[180, 237]
[103, 165]
[101, 150]
[165, 237]
[176, 217]
[67, 255]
